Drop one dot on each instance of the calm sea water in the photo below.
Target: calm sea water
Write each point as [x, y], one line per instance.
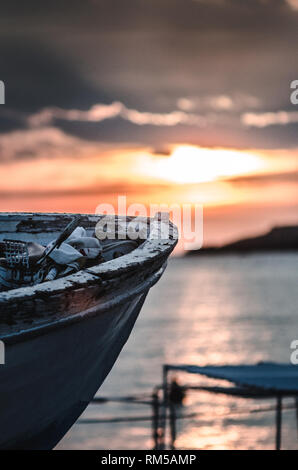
[205, 310]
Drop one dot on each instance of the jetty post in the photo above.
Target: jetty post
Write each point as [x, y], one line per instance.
[163, 420]
[278, 422]
[296, 408]
[155, 420]
[172, 425]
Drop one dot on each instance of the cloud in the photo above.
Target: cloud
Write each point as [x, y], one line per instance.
[160, 70]
[96, 113]
[224, 102]
[261, 120]
[117, 15]
[89, 190]
[293, 4]
[101, 112]
[38, 75]
[46, 142]
[266, 178]
[256, 3]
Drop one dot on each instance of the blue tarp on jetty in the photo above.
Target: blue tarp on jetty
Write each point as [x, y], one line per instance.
[267, 376]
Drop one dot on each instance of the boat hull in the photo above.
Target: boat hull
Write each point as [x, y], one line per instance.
[49, 380]
[63, 337]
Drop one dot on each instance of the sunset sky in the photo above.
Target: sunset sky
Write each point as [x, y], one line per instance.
[164, 101]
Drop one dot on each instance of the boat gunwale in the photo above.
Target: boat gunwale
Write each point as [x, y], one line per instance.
[38, 329]
[152, 249]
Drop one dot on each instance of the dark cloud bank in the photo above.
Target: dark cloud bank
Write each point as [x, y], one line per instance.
[148, 55]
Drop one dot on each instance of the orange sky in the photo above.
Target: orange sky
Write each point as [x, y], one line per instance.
[165, 101]
[241, 192]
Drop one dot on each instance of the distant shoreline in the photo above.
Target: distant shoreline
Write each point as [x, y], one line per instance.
[279, 239]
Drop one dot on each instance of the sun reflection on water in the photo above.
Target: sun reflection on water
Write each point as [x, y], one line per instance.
[208, 310]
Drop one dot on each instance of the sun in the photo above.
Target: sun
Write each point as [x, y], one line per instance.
[190, 164]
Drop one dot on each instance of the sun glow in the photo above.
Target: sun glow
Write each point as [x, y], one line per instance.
[189, 164]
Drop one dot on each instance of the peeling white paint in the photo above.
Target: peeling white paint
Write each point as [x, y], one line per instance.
[153, 251]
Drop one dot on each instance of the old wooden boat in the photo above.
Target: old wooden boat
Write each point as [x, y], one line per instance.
[62, 337]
